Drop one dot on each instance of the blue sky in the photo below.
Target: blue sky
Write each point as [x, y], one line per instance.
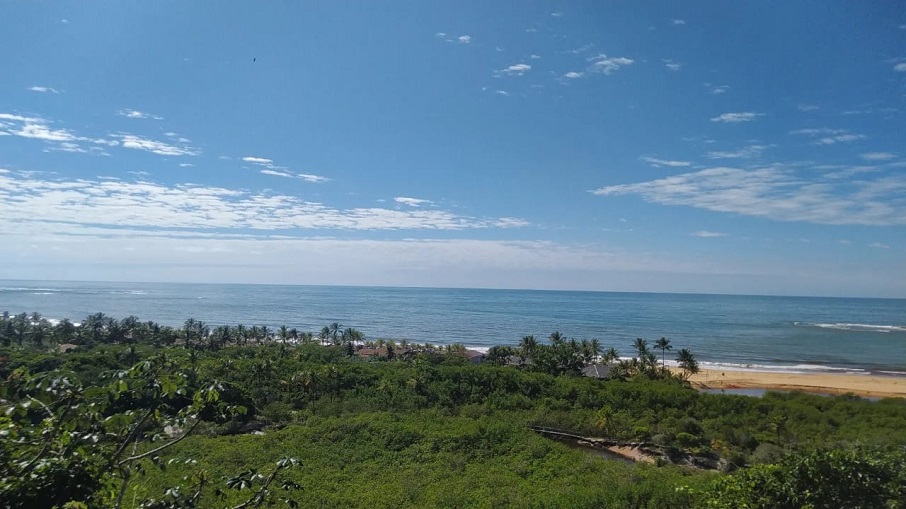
[729, 147]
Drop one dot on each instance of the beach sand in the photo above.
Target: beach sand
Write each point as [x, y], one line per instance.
[825, 383]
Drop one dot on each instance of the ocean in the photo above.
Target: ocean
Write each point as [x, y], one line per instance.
[730, 332]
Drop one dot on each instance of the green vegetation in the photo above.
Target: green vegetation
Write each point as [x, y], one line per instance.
[142, 415]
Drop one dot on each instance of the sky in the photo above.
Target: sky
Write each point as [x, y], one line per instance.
[709, 147]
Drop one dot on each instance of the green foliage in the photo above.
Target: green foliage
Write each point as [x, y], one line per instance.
[852, 478]
[425, 429]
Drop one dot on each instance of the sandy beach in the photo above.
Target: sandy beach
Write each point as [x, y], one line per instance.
[826, 383]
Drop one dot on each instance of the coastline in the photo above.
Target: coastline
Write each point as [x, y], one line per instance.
[868, 385]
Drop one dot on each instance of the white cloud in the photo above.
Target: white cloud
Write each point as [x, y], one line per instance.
[807, 107]
[573, 75]
[186, 165]
[269, 168]
[66, 140]
[257, 160]
[719, 89]
[314, 179]
[878, 156]
[64, 20]
[679, 22]
[44, 89]
[67, 146]
[672, 65]
[412, 202]
[779, 193]
[743, 153]
[580, 49]
[37, 128]
[502, 92]
[440, 35]
[155, 147]
[105, 206]
[878, 245]
[534, 57]
[557, 14]
[842, 138]
[531, 30]
[464, 39]
[745, 116]
[901, 67]
[515, 70]
[826, 136]
[707, 234]
[607, 65]
[664, 162]
[276, 173]
[137, 114]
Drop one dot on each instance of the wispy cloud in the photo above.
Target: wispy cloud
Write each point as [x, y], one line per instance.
[778, 193]
[276, 173]
[314, 179]
[901, 67]
[717, 89]
[502, 92]
[66, 140]
[879, 245]
[37, 128]
[607, 65]
[154, 146]
[573, 75]
[664, 162]
[807, 107]
[412, 202]
[679, 22]
[826, 136]
[878, 156]
[672, 65]
[464, 39]
[108, 206]
[267, 167]
[138, 114]
[557, 14]
[257, 160]
[743, 153]
[514, 70]
[43, 89]
[707, 234]
[580, 49]
[745, 116]
[534, 57]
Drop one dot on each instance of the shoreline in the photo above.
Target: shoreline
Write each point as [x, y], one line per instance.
[867, 385]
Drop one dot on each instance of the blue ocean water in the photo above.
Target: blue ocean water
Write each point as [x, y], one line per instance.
[723, 331]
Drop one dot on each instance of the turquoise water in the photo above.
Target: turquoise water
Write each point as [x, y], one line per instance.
[724, 331]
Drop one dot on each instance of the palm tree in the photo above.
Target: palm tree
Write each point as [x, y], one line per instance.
[527, 347]
[595, 347]
[641, 348]
[610, 355]
[324, 335]
[663, 344]
[687, 363]
[335, 331]
[283, 332]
